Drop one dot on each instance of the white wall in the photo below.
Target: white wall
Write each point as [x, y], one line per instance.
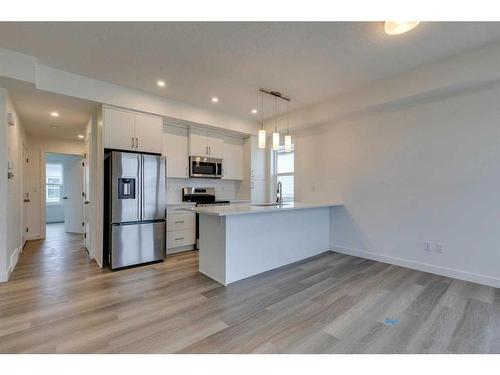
[412, 173]
[38, 146]
[54, 213]
[11, 190]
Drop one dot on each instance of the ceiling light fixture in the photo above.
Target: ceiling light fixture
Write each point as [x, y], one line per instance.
[254, 111]
[54, 114]
[80, 136]
[398, 27]
[288, 137]
[215, 99]
[276, 135]
[262, 132]
[161, 83]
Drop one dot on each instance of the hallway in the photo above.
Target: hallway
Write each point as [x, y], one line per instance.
[61, 256]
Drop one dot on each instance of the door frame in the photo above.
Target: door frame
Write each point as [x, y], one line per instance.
[25, 186]
[43, 200]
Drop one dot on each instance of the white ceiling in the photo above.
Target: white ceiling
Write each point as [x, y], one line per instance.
[307, 61]
[33, 107]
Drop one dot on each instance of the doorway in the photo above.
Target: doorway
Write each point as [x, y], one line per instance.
[64, 198]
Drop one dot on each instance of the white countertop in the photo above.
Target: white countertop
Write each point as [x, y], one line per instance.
[244, 209]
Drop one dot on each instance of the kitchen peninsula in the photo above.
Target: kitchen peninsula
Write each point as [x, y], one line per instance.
[239, 241]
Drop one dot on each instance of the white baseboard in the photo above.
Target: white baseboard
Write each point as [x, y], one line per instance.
[14, 258]
[424, 267]
[4, 275]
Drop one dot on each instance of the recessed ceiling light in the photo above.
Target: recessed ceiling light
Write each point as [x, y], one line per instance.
[398, 27]
[215, 99]
[254, 111]
[53, 126]
[54, 114]
[80, 136]
[161, 83]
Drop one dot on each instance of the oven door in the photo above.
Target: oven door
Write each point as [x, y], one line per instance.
[203, 167]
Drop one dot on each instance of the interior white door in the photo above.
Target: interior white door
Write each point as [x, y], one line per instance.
[73, 203]
[86, 203]
[26, 195]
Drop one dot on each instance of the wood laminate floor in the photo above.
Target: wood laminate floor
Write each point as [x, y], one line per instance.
[59, 301]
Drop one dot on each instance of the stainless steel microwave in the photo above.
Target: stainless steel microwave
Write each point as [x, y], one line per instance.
[200, 166]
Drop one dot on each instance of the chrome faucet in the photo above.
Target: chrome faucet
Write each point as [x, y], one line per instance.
[279, 198]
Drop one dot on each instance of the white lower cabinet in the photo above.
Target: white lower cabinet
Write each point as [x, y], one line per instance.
[181, 229]
[180, 238]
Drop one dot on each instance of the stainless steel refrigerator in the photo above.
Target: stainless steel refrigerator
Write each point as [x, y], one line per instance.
[136, 208]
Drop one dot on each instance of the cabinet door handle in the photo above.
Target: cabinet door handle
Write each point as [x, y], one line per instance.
[209, 151]
[179, 222]
[180, 238]
[137, 143]
[132, 142]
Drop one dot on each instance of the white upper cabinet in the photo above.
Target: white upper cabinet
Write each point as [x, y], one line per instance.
[127, 130]
[215, 146]
[203, 143]
[198, 143]
[175, 148]
[119, 129]
[232, 163]
[148, 133]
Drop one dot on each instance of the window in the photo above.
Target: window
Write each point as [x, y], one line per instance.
[53, 182]
[284, 171]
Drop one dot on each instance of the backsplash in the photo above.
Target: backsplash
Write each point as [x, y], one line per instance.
[224, 189]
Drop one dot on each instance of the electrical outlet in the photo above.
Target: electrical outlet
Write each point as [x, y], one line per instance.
[439, 248]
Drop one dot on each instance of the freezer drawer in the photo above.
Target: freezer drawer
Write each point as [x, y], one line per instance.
[133, 244]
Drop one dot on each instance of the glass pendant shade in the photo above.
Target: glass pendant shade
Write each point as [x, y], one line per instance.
[276, 141]
[262, 138]
[288, 143]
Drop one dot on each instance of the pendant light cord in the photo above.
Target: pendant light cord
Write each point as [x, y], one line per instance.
[275, 114]
[261, 111]
[287, 122]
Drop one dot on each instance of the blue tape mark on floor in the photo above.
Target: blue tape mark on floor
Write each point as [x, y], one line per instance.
[391, 322]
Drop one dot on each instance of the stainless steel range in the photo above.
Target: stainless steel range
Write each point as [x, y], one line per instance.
[203, 197]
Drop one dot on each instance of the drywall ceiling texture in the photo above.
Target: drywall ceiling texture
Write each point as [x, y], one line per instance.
[308, 61]
[422, 172]
[34, 108]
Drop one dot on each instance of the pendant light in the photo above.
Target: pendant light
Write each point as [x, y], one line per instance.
[276, 135]
[262, 132]
[288, 137]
